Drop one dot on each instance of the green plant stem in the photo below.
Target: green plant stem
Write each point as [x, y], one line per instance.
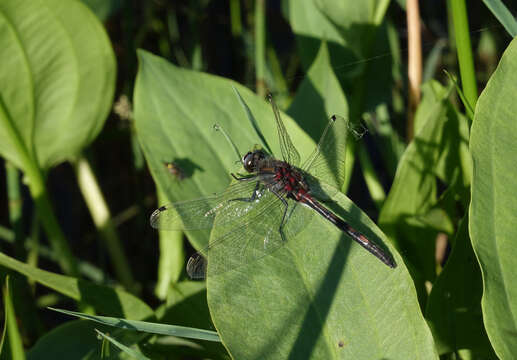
[32, 245]
[235, 18]
[54, 233]
[12, 346]
[36, 183]
[102, 219]
[278, 76]
[15, 207]
[20, 286]
[172, 257]
[260, 46]
[464, 48]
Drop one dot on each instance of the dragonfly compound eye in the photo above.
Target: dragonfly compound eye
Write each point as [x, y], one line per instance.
[248, 162]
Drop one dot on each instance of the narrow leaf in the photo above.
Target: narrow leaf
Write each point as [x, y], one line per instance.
[135, 354]
[152, 328]
[102, 298]
[504, 15]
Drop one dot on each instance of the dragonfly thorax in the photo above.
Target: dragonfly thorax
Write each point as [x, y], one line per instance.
[291, 180]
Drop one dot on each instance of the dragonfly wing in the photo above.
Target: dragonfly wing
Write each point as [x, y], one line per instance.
[200, 213]
[289, 152]
[327, 162]
[255, 238]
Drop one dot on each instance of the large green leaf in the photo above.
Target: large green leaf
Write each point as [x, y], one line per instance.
[355, 38]
[102, 298]
[321, 295]
[453, 309]
[411, 215]
[493, 207]
[349, 28]
[356, 20]
[175, 111]
[319, 97]
[310, 27]
[57, 76]
[346, 14]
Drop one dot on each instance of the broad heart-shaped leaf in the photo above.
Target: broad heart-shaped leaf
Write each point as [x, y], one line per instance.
[493, 206]
[311, 27]
[175, 113]
[347, 26]
[361, 80]
[319, 97]
[103, 299]
[321, 296]
[411, 215]
[454, 309]
[356, 20]
[57, 79]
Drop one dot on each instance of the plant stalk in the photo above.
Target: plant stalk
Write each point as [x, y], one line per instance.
[28, 162]
[15, 207]
[101, 216]
[414, 63]
[235, 18]
[260, 46]
[464, 48]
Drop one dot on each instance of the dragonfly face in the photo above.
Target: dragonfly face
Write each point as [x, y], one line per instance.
[251, 160]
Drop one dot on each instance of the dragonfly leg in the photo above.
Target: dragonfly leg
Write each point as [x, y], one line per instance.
[243, 178]
[252, 198]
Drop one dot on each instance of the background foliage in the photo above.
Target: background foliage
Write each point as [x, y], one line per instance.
[436, 187]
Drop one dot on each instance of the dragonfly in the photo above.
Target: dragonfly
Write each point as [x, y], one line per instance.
[268, 204]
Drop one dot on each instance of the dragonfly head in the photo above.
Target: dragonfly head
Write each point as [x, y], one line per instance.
[251, 160]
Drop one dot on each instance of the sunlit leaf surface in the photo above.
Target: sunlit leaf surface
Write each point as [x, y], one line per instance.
[493, 207]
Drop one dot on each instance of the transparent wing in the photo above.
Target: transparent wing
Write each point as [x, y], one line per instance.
[289, 152]
[327, 161]
[200, 213]
[257, 237]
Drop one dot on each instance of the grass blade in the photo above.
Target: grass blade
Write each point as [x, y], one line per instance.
[152, 328]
